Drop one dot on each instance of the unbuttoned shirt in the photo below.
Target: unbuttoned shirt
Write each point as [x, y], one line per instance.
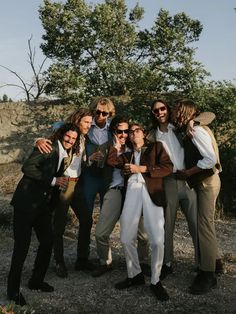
[99, 135]
[172, 146]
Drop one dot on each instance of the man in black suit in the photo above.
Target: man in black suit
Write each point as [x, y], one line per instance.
[31, 202]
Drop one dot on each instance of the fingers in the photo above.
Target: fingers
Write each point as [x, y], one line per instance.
[62, 182]
[44, 146]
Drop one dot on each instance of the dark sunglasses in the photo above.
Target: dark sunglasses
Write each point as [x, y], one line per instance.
[122, 131]
[103, 113]
[157, 110]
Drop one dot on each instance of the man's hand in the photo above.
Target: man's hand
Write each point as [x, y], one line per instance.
[98, 155]
[62, 182]
[182, 174]
[44, 145]
[190, 129]
[131, 168]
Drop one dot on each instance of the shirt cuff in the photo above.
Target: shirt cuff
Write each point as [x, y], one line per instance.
[53, 183]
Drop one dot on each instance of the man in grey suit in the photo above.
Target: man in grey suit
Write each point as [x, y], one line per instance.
[31, 202]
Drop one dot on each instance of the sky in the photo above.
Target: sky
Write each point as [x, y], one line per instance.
[216, 49]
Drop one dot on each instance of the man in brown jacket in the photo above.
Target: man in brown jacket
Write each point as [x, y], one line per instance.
[146, 167]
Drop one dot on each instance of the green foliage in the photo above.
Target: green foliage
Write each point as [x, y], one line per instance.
[103, 46]
[12, 308]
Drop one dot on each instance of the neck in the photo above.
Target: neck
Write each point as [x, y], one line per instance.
[138, 145]
[100, 124]
[163, 126]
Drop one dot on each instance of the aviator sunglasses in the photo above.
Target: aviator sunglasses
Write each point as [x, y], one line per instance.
[157, 110]
[103, 113]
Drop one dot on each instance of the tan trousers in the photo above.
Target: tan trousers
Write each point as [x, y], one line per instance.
[207, 193]
[109, 216]
[178, 194]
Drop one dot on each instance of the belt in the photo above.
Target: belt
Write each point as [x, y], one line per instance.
[118, 187]
[73, 179]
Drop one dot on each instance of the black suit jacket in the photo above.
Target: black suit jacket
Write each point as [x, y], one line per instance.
[34, 188]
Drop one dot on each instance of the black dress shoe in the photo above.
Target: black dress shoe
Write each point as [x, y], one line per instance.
[84, 265]
[129, 282]
[159, 291]
[61, 270]
[42, 286]
[220, 268]
[101, 270]
[146, 269]
[165, 271]
[203, 282]
[18, 298]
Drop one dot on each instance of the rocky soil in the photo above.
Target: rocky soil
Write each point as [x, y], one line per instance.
[81, 293]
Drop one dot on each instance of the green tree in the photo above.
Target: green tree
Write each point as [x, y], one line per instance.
[101, 50]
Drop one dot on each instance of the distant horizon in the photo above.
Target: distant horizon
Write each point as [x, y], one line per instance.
[215, 49]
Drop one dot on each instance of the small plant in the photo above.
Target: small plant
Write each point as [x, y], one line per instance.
[12, 308]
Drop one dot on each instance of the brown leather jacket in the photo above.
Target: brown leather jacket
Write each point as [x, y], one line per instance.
[158, 165]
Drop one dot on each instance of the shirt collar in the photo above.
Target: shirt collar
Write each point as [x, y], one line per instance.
[62, 151]
[108, 122]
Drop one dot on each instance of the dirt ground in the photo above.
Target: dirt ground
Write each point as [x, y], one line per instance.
[81, 293]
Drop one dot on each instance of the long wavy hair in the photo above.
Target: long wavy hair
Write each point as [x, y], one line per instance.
[183, 111]
[76, 116]
[60, 132]
[154, 121]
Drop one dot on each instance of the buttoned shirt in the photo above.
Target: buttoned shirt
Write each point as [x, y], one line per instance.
[99, 135]
[202, 140]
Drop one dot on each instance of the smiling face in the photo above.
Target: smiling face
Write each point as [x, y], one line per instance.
[160, 112]
[85, 124]
[69, 139]
[121, 132]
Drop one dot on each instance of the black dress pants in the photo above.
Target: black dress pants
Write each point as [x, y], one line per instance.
[23, 223]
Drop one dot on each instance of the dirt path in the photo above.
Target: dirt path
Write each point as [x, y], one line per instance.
[81, 293]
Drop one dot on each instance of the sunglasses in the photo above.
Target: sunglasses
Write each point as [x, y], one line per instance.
[157, 110]
[122, 131]
[103, 113]
[135, 130]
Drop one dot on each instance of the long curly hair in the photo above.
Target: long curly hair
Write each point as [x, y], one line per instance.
[183, 111]
[60, 132]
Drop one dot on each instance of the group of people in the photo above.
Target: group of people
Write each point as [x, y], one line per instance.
[141, 176]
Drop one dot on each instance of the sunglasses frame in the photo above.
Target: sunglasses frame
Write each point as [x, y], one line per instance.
[135, 130]
[103, 113]
[158, 110]
[126, 131]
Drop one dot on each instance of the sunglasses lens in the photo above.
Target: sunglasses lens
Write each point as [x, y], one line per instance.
[157, 110]
[103, 113]
[122, 131]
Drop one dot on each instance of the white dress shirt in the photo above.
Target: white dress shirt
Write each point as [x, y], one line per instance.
[172, 146]
[202, 140]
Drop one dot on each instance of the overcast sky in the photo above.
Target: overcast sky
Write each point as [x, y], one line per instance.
[216, 47]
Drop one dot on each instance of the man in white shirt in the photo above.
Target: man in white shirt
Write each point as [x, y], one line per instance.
[71, 194]
[177, 191]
